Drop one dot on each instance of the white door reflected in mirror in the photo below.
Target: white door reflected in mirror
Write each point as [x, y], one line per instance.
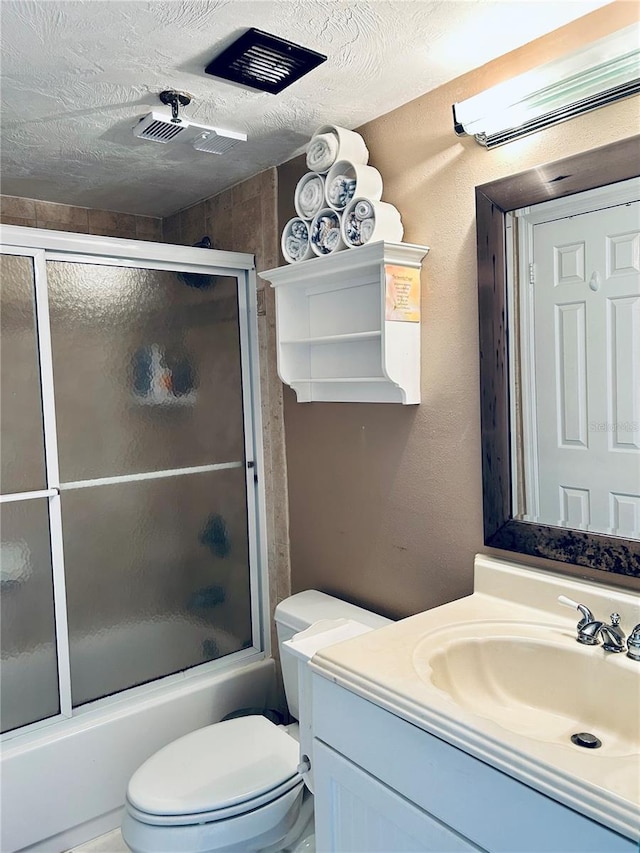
[575, 389]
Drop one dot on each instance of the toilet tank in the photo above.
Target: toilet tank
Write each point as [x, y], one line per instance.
[299, 612]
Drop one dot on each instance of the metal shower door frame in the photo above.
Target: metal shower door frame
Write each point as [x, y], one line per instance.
[42, 246]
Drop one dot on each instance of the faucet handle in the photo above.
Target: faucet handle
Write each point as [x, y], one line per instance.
[587, 615]
[615, 619]
[633, 644]
[613, 638]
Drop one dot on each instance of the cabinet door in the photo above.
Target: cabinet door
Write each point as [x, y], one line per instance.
[355, 813]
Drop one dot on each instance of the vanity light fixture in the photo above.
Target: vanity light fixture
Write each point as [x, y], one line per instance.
[603, 72]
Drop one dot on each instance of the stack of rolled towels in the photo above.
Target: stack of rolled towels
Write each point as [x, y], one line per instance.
[338, 201]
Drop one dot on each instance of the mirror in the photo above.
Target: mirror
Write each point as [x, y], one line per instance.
[601, 167]
[573, 302]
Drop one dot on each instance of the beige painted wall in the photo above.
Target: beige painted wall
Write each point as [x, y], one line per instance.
[386, 500]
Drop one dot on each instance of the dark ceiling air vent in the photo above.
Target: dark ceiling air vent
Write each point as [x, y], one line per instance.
[262, 61]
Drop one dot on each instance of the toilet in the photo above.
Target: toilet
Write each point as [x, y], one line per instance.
[236, 786]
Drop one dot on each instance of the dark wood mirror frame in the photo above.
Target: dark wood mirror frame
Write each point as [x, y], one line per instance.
[599, 167]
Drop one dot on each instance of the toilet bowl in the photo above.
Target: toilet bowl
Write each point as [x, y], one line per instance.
[235, 786]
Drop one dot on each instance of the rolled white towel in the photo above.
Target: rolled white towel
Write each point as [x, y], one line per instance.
[311, 197]
[295, 247]
[325, 232]
[335, 188]
[359, 231]
[341, 191]
[292, 245]
[320, 228]
[299, 230]
[322, 152]
[295, 241]
[363, 210]
[366, 229]
[331, 239]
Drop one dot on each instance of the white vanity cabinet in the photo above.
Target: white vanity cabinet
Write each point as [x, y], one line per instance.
[348, 324]
[385, 785]
[359, 813]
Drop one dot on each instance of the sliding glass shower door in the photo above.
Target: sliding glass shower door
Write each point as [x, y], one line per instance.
[153, 482]
[29, 673]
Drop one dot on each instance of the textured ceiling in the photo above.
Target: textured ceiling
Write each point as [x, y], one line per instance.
[78, 74]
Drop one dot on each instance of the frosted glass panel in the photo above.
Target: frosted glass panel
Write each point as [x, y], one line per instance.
[21, 449]
[28, 669]
[157, 577]
[146, 368]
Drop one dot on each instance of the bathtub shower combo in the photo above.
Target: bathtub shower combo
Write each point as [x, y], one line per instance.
[132, 513]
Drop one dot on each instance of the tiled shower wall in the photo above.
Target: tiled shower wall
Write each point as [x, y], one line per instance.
[244, 219]
[82, 220]
[241, 219]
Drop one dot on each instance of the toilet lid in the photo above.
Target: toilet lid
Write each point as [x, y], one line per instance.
[215, 767]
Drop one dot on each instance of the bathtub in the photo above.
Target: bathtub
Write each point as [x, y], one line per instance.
[65, 783]
[153, 647]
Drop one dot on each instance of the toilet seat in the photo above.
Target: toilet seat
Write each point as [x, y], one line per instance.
[252, 831]
[214, 773]
[294, 785]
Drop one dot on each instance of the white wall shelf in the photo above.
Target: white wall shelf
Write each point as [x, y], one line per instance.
[348, 324]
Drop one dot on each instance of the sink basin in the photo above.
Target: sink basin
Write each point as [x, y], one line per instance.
[499, 675]
[536, 681]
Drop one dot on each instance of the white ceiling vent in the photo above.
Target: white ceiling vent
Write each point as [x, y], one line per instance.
[215, 141]
[164, 128]
[158, 128]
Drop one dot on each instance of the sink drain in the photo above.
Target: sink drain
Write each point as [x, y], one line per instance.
[586, 739]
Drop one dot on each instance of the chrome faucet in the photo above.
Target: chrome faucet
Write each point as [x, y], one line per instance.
[590, 630]
[633, 644]
[613, 639]
[587, 617]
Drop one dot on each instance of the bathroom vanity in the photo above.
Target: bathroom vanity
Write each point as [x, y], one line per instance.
[451, 730]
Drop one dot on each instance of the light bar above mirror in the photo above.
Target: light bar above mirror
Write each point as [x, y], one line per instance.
[603, 72]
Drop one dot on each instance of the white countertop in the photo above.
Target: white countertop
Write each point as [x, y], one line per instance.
[384, 667]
